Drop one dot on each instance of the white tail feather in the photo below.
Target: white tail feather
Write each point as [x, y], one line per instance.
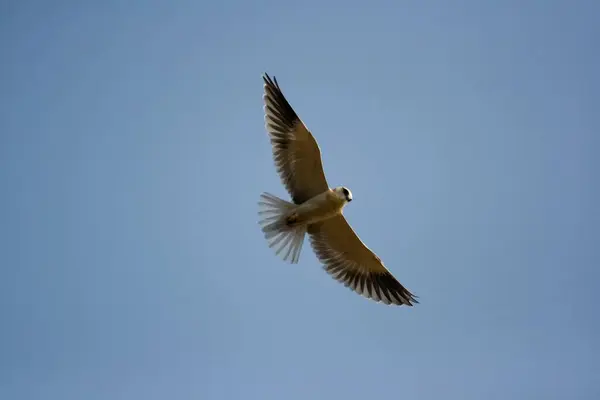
[273, 212]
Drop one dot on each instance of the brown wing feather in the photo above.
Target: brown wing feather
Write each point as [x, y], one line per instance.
[295, 151]
[348, 260]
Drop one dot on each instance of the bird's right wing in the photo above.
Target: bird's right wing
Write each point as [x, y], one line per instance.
[348, 260]
[295, 151]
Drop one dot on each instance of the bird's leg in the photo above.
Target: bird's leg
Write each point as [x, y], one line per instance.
[291, 219]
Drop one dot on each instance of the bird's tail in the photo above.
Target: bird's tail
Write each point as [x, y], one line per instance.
[277, 221]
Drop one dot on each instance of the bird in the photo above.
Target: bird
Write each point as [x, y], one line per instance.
[316, 209]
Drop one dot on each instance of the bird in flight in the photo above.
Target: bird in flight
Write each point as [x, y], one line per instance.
[316, 209]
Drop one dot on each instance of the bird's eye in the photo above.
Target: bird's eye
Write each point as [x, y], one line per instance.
[345, 191]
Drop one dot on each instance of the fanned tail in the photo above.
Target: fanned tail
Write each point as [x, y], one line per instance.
[286, 239]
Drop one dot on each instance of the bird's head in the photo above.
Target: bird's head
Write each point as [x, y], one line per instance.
[344, 193]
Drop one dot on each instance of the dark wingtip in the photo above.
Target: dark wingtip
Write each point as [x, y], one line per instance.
[270, 82]
[267, 78]
[411, 298]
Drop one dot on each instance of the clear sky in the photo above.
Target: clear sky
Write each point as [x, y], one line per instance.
[133, 152]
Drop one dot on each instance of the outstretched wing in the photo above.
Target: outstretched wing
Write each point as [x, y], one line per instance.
[348, 260]
[295, 151]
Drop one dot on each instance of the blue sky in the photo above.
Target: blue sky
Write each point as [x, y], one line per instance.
[133, 152]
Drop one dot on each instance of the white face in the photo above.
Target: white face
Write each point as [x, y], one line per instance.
[344, 193]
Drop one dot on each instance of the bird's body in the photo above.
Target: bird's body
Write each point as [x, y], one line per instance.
[316, 209]
[319, 208]
[285, 224]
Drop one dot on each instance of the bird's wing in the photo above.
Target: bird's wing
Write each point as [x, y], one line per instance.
[348, 260]
[295, 151]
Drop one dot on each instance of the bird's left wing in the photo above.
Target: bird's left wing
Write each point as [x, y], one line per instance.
[348, 260]
[295, 151]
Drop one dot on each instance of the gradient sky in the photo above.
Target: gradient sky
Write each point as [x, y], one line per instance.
[133, 152]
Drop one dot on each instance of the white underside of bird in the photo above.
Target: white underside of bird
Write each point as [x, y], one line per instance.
[285, 224]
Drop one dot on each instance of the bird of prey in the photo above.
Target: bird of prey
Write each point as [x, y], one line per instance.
[316, 209]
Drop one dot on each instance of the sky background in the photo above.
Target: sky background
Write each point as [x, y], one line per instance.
[133, 152]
